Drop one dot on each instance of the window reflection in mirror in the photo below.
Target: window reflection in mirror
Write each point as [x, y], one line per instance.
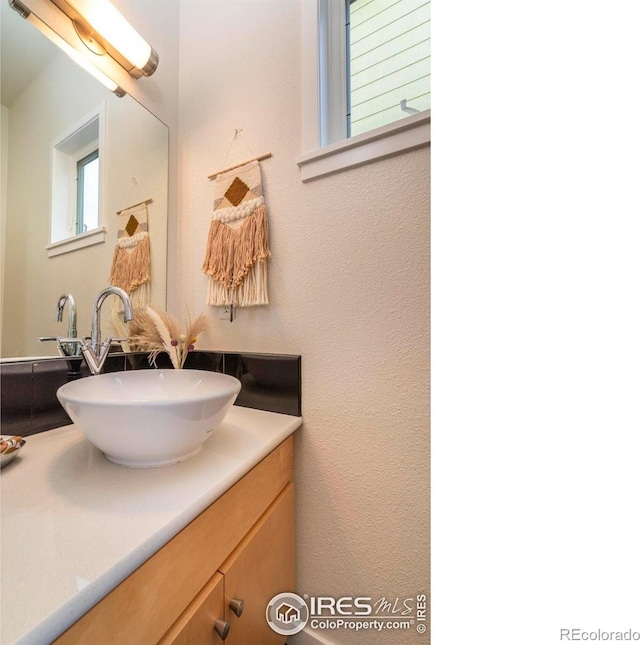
[77, 179]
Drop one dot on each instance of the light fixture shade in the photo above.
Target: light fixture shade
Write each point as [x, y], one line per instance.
[80, 60]
[70, 51]
[101, 21]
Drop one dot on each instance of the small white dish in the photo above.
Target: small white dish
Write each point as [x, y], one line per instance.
[7, 458]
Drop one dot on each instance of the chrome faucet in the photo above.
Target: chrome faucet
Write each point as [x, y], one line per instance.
[73, 323]
[68, 349]
[94, 351]
[65, 345]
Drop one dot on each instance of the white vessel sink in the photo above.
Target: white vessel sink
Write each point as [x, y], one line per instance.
[147, 418]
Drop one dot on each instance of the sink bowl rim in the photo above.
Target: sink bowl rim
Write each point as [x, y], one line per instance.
[231, 386]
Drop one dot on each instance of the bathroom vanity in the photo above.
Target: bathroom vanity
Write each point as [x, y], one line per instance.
[95, 552]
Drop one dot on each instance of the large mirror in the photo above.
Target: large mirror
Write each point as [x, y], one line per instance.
[45, 97]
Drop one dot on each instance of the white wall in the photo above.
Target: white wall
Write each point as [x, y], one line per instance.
[349, 289]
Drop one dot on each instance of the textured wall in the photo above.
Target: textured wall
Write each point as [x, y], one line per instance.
[157, 21]
[349, 292]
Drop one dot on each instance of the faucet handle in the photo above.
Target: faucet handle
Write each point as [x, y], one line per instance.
[59, 339]
[95, 359]
[65, 345]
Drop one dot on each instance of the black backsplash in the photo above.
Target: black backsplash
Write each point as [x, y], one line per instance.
[28, 402]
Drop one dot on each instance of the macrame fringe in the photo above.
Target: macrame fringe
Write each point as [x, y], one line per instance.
[130, 271]
[236, 261]
[252, 291]
[130, 266]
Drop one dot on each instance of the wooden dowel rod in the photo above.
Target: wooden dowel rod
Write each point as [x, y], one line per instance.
[146, 201]
[260, 158]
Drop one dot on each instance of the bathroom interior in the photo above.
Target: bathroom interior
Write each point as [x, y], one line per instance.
[340, 354]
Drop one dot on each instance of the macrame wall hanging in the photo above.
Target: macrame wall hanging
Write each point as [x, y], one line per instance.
[238, 243]
[131, 258]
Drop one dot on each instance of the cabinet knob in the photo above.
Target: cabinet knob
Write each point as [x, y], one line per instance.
[236, 606]
[221, 627]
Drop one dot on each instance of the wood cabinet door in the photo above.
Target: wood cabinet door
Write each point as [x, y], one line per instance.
[262, 566]
[145, 605]
[196, 625]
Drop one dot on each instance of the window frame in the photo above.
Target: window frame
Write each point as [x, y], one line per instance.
[333, 70]
[326, 148]
[66, 150]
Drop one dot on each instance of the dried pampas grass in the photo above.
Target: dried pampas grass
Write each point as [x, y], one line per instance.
[155, 330]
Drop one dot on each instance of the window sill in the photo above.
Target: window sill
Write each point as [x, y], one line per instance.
[97, 236]
[402, 136]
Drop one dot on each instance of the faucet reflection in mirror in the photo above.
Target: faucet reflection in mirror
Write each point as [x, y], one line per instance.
[66, 348]
[73, 325]
[70, 349]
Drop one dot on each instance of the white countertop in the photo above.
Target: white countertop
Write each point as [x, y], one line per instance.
[75, 525]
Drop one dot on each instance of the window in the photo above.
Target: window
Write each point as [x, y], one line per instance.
[87, 183]
[77, 179]
[366, 81]
[388, 61]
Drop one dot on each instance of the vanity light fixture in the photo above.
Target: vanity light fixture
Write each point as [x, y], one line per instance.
[99, 23]
[77, 57]
[95, 35]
